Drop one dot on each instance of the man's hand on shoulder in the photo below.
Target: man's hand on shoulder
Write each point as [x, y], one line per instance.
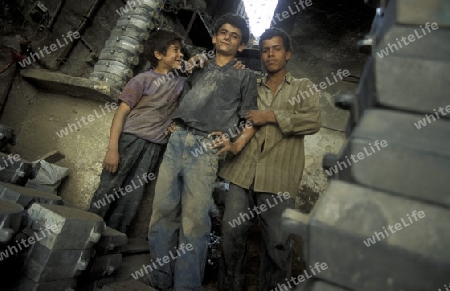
[239, 65]
[199, 60]
[261, 117]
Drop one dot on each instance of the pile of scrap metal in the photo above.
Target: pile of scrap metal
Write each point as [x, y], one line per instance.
[43, 244]
[48, 246]
[402, 185]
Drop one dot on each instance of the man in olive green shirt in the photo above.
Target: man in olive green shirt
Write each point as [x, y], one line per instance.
[265, 177]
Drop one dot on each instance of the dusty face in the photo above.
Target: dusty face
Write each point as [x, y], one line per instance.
[172, 59]
[274, 55]
[228, 40]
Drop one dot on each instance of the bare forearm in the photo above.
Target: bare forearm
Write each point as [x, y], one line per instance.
[245, 137]
[117, 126]
[114, 134]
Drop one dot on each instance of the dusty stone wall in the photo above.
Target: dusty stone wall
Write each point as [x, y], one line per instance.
[37, 117]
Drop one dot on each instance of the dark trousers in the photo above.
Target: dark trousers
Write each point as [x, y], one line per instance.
[119, 195]
[276, 245]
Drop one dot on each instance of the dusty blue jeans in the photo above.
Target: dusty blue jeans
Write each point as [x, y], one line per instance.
[183, 197]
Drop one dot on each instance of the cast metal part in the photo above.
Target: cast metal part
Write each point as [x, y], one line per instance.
[402, 183]
[129, 34]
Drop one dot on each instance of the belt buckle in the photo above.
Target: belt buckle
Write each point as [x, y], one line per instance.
[193, 130]
[190, 129]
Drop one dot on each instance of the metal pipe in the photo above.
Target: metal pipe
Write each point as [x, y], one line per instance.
[55, 14]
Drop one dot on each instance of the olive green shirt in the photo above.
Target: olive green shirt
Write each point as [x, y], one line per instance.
[274, 158]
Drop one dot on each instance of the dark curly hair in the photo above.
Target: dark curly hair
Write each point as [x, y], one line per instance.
[160, 41]
[272, 32]
[236, 21]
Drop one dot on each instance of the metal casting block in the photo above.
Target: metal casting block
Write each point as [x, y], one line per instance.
[44, 264]
[71, 228]
[111, 241]
[26, 196]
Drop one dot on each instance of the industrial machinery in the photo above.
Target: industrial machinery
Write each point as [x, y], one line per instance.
[383, 223]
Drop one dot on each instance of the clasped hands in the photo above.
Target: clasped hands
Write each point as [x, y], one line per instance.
[222, 140]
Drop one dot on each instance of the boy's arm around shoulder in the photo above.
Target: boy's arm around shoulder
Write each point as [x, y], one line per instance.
[249, 93]
[302, 115]
[249, 102]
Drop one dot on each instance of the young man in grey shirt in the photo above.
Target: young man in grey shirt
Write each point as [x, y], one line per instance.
[216, 98]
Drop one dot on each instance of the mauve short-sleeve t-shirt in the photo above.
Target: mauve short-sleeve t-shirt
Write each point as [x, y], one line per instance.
[152, 98]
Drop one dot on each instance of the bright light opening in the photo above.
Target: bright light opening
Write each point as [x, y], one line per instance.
[260, 14]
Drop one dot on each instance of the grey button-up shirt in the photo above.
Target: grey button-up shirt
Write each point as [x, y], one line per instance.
[215, 98]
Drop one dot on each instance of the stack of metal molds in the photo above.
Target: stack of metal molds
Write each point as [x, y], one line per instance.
[11, 218]
[63, 243]
[122, 49]
[108, 259]
[383, 223]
